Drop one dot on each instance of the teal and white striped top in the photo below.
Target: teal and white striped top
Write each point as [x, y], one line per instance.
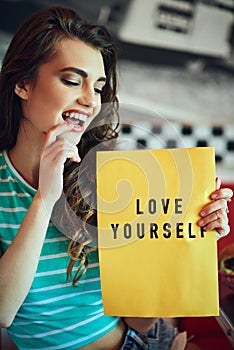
[54, 315]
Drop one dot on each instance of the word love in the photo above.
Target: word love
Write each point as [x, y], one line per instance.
[163, 204]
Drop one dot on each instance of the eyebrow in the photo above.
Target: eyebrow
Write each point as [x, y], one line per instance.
[81, 72]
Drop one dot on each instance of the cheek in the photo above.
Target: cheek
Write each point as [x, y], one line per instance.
[51, 97]
[43, 111]
[97, 109]
[88, 122]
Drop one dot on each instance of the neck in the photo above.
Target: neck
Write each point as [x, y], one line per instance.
[25, 156]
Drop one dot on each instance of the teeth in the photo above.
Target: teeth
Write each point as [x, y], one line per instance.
[82, 117]
[77, 116]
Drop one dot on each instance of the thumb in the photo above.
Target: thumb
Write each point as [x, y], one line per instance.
[218, 183]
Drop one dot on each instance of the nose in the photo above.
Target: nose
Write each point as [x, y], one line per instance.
[87, 97]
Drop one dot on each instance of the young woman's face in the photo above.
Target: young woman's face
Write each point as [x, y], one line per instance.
[68, 88]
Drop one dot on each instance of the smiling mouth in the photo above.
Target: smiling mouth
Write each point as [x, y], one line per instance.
[74, 118]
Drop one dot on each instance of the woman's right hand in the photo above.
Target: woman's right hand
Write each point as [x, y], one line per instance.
[59, 144]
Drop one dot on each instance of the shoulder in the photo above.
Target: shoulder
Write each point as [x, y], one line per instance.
[1, 156]
[6, 179]
[3, 164]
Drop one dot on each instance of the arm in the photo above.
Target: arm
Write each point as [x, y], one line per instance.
[19, 263]
[140, 324]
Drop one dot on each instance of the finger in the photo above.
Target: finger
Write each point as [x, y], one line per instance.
[70, 150]
[218, 183]
[54, 132]
[214, 220]
[214, 206]
[59, 159]
[225, 193]
[71, 136]
[217, 225]
[61, 146]
[222, 232]
[72, 153]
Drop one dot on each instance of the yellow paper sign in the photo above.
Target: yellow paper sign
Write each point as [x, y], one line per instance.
[155, 261]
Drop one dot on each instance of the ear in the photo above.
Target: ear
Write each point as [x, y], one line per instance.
[21, 91]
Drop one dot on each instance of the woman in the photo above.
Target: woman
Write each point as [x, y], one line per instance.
[57, 72]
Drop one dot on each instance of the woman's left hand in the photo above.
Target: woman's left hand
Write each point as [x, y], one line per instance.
[214, 215]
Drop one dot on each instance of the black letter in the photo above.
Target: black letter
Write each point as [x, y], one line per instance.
[190, 231]
[178, 206]
[165, 205]
[114, 228]
[202, 232]
[138, 211]
[142, 233]
[178, 230]
[167, 227]
[153, 230]
[152, 206]
[127, 231]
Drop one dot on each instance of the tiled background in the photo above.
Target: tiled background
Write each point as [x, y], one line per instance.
[178, 107]
[180, 104]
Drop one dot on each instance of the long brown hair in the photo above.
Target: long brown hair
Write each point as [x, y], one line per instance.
[34, 44]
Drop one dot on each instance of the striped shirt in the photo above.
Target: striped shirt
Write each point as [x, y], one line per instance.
[54, 315]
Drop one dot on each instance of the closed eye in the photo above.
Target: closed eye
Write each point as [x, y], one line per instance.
[98, 91]
[70, 82]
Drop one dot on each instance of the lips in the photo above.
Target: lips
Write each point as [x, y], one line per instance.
[75, 118]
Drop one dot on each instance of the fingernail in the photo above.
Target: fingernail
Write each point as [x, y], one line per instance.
[200, 222]
[203, 213]
[76, 160]
[213, 196]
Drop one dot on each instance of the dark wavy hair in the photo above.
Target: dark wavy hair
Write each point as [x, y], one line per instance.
[34, 44]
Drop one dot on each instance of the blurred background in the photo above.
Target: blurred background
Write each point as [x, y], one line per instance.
[176, 68]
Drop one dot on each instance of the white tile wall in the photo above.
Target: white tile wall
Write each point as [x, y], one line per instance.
[153, 97]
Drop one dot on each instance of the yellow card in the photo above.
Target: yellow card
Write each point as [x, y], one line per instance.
[155, 261]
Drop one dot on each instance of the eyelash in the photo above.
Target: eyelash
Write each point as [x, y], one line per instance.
[70, 83]
[98, 91]
[73, 83]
